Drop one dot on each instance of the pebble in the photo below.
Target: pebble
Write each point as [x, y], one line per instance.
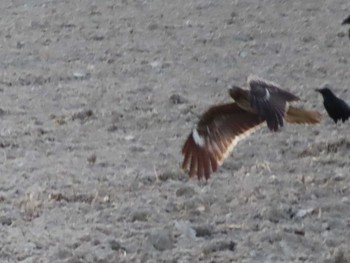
[140, 215]
[79, 74]
[176, 99]
[185, 229]
[204, 230]
[219, 246]
[115, 245]
[171, 176]
[185, 191]
[304, 212]
[274, 214]
[161, 240]
[5, 220]
[82, 115]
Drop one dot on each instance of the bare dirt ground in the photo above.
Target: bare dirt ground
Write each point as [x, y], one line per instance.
[97, 98]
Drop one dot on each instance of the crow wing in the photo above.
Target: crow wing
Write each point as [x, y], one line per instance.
[269, 101]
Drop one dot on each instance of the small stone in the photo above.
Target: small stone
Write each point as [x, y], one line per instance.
[307, 39]
[155, 64]
[341, 34]
[92, 159]
[153, 26]
[339, 177]
[300, 232]
[203, 230]
[19, 44]
[219, 246]
[83, 115]
[185, 191]
[58, 120]
[74, 259]
[172, 207]
[115, 245]
[274, 215]
[345, 199]
[243, 37]
[304, 212]
[161, 240]
[5, 220]
[177, 99]
[79, 74]
[142, 216]
[185, 229]
[171, 176]
[243, 54]
[296, 231]
[270, 236]
[98, 37]
[137, 149]
[63, 254]
[96, 242]
[129, 137]
[112, 128]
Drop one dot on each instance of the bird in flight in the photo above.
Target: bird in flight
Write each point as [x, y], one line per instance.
[221, 127]
[337, 108]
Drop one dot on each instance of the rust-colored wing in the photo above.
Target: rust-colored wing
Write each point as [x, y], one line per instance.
[298, 115]
[269, 101]
[217, 132]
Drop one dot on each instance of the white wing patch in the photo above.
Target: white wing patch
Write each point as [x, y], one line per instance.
[199, 140]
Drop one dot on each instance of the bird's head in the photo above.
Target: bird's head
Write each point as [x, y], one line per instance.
[346, 21]
[235, 92]
[325, 91]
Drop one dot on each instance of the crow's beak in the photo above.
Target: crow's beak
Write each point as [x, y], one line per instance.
[318, 90]
[346, 21]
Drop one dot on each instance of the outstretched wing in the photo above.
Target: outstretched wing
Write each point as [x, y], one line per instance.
[270, 101]
[217, 132]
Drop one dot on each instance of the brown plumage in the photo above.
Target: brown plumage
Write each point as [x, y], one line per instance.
[222, 127]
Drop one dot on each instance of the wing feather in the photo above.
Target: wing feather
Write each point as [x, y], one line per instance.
[269, 101]
[216, 134]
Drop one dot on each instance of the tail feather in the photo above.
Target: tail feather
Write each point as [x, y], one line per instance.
[296, 115]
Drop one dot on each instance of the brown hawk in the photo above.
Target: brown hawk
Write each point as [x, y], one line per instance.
[221, 127]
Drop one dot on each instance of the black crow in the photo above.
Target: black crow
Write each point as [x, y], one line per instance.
[346, 20]
[337, 108]
[221, 127]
